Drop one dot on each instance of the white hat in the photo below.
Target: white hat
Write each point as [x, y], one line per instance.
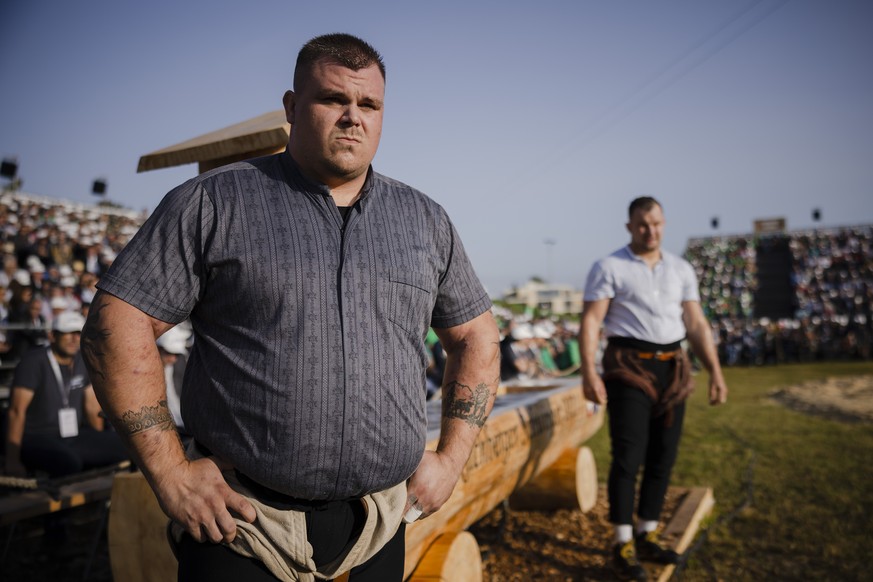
[68, 322]
[35, 265]
[69, 281]
[58, 303]
[174, 341]
[23, 277]
[541, 331]
[523, 331]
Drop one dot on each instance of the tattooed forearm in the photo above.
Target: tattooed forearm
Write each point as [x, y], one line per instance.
[149, 417]
[93, 337]
[465, 403]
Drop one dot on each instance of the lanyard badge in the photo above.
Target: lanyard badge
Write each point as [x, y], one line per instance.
[68, 420]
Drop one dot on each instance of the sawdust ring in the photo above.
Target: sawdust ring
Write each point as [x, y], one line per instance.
[842, 398]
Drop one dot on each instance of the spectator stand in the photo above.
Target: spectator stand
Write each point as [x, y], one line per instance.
[820, 296]
[52, 253]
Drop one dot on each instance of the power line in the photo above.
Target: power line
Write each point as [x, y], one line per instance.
[661, 80]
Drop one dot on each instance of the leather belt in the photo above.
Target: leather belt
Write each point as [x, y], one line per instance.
[660, 356]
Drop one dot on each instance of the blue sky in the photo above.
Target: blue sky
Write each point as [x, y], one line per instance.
[528, 121]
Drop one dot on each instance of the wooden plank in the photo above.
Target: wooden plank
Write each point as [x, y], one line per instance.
[265, 133]
[29, 504]
[530, 385]
[698, 503]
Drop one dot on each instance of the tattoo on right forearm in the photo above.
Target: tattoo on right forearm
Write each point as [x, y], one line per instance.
[149, 417]
[465, 403]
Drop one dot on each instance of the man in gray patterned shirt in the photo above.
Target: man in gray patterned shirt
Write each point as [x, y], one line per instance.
[310, 281]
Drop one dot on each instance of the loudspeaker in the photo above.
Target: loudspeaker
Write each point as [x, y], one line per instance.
[816, 215]
[99, 188]
[714, 223]
[8, 169]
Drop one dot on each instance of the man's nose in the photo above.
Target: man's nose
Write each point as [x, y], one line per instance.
[352, 114]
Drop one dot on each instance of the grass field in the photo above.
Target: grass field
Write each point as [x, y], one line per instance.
[794, 492]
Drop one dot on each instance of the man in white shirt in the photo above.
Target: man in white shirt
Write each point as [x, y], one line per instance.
[648, 302]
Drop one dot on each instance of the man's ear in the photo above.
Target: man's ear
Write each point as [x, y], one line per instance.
[289, 101]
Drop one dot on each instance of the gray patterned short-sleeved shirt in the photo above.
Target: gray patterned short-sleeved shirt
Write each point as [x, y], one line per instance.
[307, 371]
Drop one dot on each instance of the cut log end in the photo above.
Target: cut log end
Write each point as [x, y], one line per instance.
[569, 483]
[452, 556]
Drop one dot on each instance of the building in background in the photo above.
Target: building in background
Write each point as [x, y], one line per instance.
[546, 297]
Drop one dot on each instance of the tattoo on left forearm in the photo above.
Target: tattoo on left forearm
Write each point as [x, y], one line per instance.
[465, 403]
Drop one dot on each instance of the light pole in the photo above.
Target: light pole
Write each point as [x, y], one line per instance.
[550, 243]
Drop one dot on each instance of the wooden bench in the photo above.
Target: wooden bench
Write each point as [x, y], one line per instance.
[28, 498]
[41, 497]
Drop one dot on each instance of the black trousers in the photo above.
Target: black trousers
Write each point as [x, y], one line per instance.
[640, 440]
[330, 527]
[66, 456]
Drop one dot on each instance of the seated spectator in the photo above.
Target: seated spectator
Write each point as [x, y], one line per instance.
[511, 366]
[521, 352]
[32, 331]
[54, 422]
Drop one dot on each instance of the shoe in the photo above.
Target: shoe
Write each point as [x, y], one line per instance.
[650, 549]
[626, 564]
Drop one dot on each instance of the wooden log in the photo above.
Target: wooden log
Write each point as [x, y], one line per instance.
[138, 547]
[525, 434]
[452, 557]
[569, 483]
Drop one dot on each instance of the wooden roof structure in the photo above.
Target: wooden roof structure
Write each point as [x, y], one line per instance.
[258, 136]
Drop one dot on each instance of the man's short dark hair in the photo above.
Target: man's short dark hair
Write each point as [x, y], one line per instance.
[644, 203]
[343, 49]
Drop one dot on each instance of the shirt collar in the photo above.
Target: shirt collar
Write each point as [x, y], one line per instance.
[318, 187]
[634, 257]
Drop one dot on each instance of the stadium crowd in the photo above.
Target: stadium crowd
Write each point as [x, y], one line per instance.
[832, 282]
[54, 252]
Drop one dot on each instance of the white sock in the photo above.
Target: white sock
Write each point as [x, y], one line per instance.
[623, 533]
[646, 526]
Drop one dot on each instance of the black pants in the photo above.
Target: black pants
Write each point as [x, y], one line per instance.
[329, 529]
[640, 440]
[66, 456]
